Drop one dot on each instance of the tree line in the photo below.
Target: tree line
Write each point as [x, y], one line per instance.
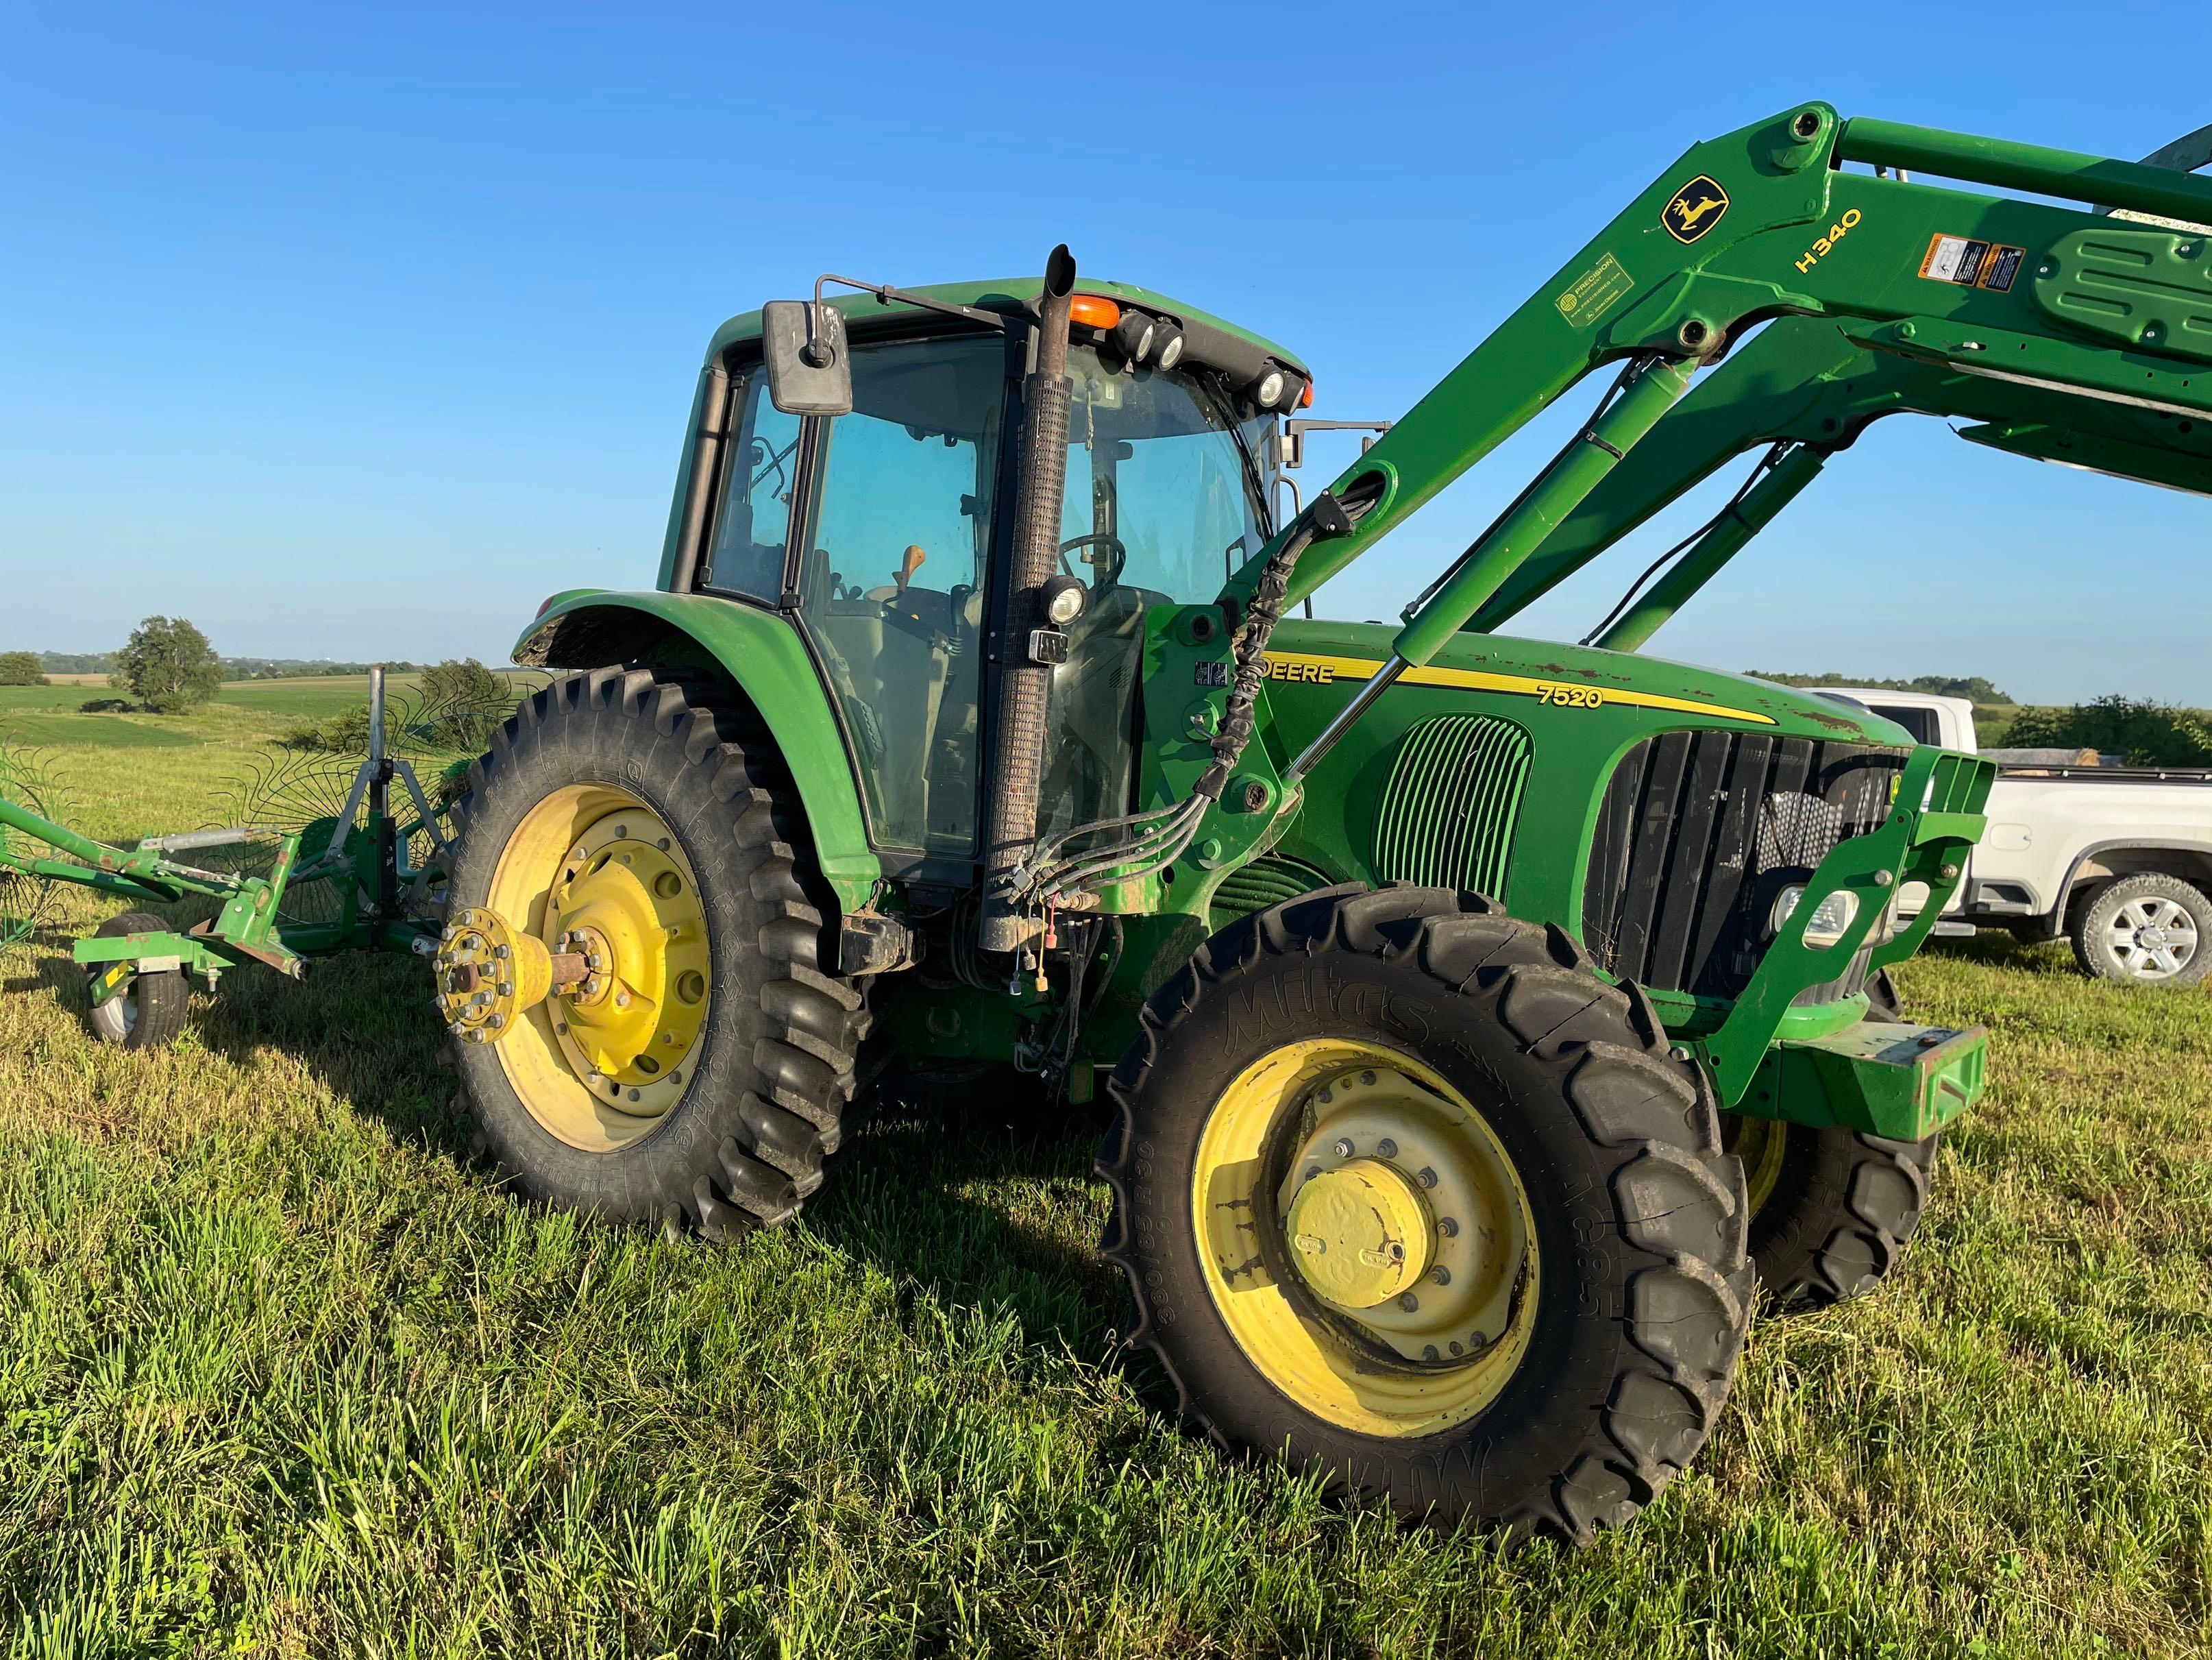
[167, 667]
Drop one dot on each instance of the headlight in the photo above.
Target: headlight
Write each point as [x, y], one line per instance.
[1826, 925]
[1064, 599]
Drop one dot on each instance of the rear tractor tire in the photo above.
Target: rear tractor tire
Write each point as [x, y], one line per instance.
[639, 820]
[148, 1012]
[1406, 1193]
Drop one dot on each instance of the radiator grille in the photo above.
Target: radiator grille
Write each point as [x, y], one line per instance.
[1453, 798]
[1697, 831]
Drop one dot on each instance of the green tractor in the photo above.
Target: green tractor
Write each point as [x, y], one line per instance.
[1489, 1024]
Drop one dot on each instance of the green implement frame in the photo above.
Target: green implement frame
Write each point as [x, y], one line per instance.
[363, 851]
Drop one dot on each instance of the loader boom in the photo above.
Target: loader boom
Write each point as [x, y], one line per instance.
[2036, 320]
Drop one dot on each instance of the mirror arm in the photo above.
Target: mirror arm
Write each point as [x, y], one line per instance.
[885, 295]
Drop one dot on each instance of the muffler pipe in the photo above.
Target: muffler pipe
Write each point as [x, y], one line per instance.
[1023, 686]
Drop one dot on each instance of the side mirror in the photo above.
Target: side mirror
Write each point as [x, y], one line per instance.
[810, 371]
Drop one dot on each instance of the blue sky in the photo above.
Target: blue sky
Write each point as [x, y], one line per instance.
[355, 331]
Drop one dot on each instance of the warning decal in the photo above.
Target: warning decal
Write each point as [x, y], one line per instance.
[1971, 264]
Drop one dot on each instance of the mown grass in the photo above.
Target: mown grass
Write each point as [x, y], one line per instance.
[285, 1373]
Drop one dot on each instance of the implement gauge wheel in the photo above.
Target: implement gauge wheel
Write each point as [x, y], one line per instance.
[149, 1011]
[639, 824]
[1404, 1191]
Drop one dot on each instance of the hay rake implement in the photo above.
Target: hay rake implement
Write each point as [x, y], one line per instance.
[377, 865]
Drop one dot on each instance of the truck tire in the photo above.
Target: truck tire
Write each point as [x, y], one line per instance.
[1831, 1209]
[1546, 1322]
[147, 1012]
[2151, 928]
[646, 804]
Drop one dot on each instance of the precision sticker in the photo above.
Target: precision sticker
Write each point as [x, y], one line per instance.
[1695, 209]
[1969, 263]
[1593, 292]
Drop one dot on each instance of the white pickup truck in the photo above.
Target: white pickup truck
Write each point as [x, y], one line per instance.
[2116, 859]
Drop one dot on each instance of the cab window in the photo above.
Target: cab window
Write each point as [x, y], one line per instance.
[891, 585]
[760, 475]
[1162, 502]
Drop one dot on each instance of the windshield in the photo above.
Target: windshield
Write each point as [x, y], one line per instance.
[1161, 496]
[1164, 500]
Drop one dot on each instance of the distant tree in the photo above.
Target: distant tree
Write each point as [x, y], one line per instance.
[20, 668]
[2145, 734]
[461, 703]
[1973, 687]
[167, 666]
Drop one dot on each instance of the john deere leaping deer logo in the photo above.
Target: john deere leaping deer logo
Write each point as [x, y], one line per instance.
[1695, 209]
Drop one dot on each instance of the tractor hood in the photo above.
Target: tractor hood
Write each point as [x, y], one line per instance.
[1577, 676]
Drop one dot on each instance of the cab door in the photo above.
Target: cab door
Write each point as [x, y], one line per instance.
[881, 522]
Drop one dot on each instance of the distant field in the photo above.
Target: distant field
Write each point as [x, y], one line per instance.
[243, 712]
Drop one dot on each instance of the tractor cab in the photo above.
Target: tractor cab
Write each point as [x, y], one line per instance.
[881, 532]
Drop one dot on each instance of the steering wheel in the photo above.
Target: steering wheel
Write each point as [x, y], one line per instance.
[1096, 538]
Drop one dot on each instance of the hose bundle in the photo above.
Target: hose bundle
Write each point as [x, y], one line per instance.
[1129, 848]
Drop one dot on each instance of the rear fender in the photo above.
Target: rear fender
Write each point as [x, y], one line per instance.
[762, 654]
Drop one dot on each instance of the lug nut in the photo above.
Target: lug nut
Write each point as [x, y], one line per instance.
[497, 1021]
[501, 952]
[1344, 1146]
[1441, 1274]
[1367, 1077]
[1409, 1302]
[1386, 1148]
[1312, 1170]
[506, 988]
[1427, 1177]
[1429, 1351]
[1448, 1227]
[621, 1000]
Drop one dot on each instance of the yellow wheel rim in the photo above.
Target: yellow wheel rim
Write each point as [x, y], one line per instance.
[1365, 1237]
[1761, 1143]
[593, 871]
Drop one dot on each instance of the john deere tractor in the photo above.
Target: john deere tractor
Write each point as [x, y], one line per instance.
[1488, 1024]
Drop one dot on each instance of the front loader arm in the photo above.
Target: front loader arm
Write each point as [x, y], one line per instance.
[1763, 223]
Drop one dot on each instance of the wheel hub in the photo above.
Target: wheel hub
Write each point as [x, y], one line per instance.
[1366, 1236]
[625, 905]
[1418, 1217]
[1360, 1234]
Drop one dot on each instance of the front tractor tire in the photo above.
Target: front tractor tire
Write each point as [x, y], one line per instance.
[1406, 1193]
[1831, 1209]
[702, 1072]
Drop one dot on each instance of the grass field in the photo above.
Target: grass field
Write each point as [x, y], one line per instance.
[286, 1373]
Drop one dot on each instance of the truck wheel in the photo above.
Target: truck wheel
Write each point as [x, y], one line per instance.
[702, 1072]
[1404, 1192]
[1831, 1208]
[2150, 928]
[150, 1012]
